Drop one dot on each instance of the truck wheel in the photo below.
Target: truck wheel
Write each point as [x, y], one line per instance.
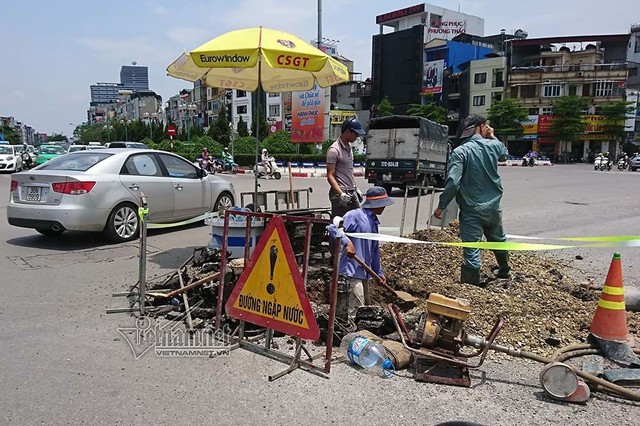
[388, 188]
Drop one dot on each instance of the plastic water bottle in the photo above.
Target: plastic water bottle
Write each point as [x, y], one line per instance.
[367, 354]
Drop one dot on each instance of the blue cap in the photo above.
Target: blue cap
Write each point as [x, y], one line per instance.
[388, 368]
[352, 124]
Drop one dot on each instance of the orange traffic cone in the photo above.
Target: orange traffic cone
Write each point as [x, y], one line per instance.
[610, 320]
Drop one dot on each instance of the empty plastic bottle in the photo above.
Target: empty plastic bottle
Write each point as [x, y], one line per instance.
[367, 354]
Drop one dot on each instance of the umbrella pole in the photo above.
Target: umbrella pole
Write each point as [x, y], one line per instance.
[255, 175]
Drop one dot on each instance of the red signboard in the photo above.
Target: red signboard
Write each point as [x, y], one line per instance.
[171, 130]
[397, 14]
[544, 123]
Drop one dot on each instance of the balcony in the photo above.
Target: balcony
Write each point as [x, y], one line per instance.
[569, 73]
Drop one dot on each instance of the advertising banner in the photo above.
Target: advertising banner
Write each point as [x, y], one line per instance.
[338, 117]
[544, 123]
[432, 76]
[307, 115]
[530, 126]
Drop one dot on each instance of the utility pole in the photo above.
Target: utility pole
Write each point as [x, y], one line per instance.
[319, 23]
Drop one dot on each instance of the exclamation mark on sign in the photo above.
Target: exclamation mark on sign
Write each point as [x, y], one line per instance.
[273, 257]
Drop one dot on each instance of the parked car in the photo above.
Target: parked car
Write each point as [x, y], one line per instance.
[10, 159]
[74, 148]
[90, 147]
[49, 152]
[634, 163]
[121, 144]
[99, 190]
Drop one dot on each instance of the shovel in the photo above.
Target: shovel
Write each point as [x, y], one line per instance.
[403, 295]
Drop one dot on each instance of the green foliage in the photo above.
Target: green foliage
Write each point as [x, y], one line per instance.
[429, 110]
[10, 135]
[264, 126]
[58, 138]
[569, 110]
[245, 145]
[385, 108]
[242, 129]
[219, 130]
[506, 117]
[279, 143]
[615, 114]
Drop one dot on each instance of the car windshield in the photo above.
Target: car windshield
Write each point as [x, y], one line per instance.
[137, 145]
[76, 148]
[96, 147]
[51, 149]
[79, 161]
[4, 149]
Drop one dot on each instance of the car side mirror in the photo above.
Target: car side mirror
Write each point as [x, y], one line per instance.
[202, 173]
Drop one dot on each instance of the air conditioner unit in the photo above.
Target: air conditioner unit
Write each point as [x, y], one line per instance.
[579, 74]
[547, 81]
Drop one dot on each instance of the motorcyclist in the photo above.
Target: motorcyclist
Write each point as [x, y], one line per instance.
[265, 161]
[227, 157]
[205, 154]
[25, 158]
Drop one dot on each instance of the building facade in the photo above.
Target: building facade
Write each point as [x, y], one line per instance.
[134, 77]
[542, 70]
[486, 84]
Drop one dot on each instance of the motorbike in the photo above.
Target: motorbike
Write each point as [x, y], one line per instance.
[605, 164]
[623, 164]
[597, 162]
[261, 170]
[207, 164]
[528, 161]
[225, 165]
[27, 162]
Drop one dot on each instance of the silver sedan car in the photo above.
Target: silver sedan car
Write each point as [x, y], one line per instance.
[99, 190]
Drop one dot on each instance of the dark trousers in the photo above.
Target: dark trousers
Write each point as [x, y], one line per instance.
[340, 208]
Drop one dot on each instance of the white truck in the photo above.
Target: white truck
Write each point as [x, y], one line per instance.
[406, 151]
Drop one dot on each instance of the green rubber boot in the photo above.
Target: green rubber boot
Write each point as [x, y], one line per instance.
[503, 270]
[470, 275]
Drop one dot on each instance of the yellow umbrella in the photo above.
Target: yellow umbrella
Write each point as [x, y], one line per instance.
[242, 59]
[259, 58]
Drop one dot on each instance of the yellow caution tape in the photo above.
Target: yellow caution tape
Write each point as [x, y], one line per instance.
[142, 212]
[616, 306]
[614, 291]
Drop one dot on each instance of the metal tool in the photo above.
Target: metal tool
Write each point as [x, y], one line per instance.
[399, 294]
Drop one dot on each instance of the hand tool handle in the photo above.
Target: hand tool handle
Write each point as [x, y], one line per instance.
[373, 274]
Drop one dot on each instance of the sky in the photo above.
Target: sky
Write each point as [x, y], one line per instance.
[52, 51]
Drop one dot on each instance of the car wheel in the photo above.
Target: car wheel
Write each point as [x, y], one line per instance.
[123, 223]
[48, 232]
[224, 201]
[633, 169]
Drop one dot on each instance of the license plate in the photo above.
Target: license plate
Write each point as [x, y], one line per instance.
[34, 193]
[386, 176]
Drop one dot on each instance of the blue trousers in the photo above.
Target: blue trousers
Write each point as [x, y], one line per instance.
[473, 226]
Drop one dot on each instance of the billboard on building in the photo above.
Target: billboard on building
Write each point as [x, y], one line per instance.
[432, 76]
[307, 115]
[530, 125]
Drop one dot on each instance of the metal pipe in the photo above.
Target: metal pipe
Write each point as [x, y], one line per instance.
[319, 23]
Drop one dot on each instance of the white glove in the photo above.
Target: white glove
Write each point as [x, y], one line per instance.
[359, 195]
[345, 198]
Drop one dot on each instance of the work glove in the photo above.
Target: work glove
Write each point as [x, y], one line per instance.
[345, 198]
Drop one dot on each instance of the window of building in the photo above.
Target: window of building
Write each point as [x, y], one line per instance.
[573, 90]
[637, 48]
[479, 100]
[241, 109]
[480, 78]
[633, 72]
[496, 97]
[241, 94]
[498, 79]
[533, 111]
[547, 110]
[604, 88]
[274, 110]
[528, 91]
[273, 95]
[551, 90]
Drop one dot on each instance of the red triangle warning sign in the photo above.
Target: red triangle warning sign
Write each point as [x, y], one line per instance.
[270, 292]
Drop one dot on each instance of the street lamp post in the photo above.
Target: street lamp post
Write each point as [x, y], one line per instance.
[187, 109]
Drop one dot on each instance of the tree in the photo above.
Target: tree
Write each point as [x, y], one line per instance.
[91, 133]
[569, 123]
[279, 143]
[385, 108]
[242, 129]
[506, 117]
[219, 131]
[245, 145]
[10, 135]
[264, 126]
[429, 110]
[56, 137]
[614, 116]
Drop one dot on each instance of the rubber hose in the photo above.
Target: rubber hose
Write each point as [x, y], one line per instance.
[611, 387]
